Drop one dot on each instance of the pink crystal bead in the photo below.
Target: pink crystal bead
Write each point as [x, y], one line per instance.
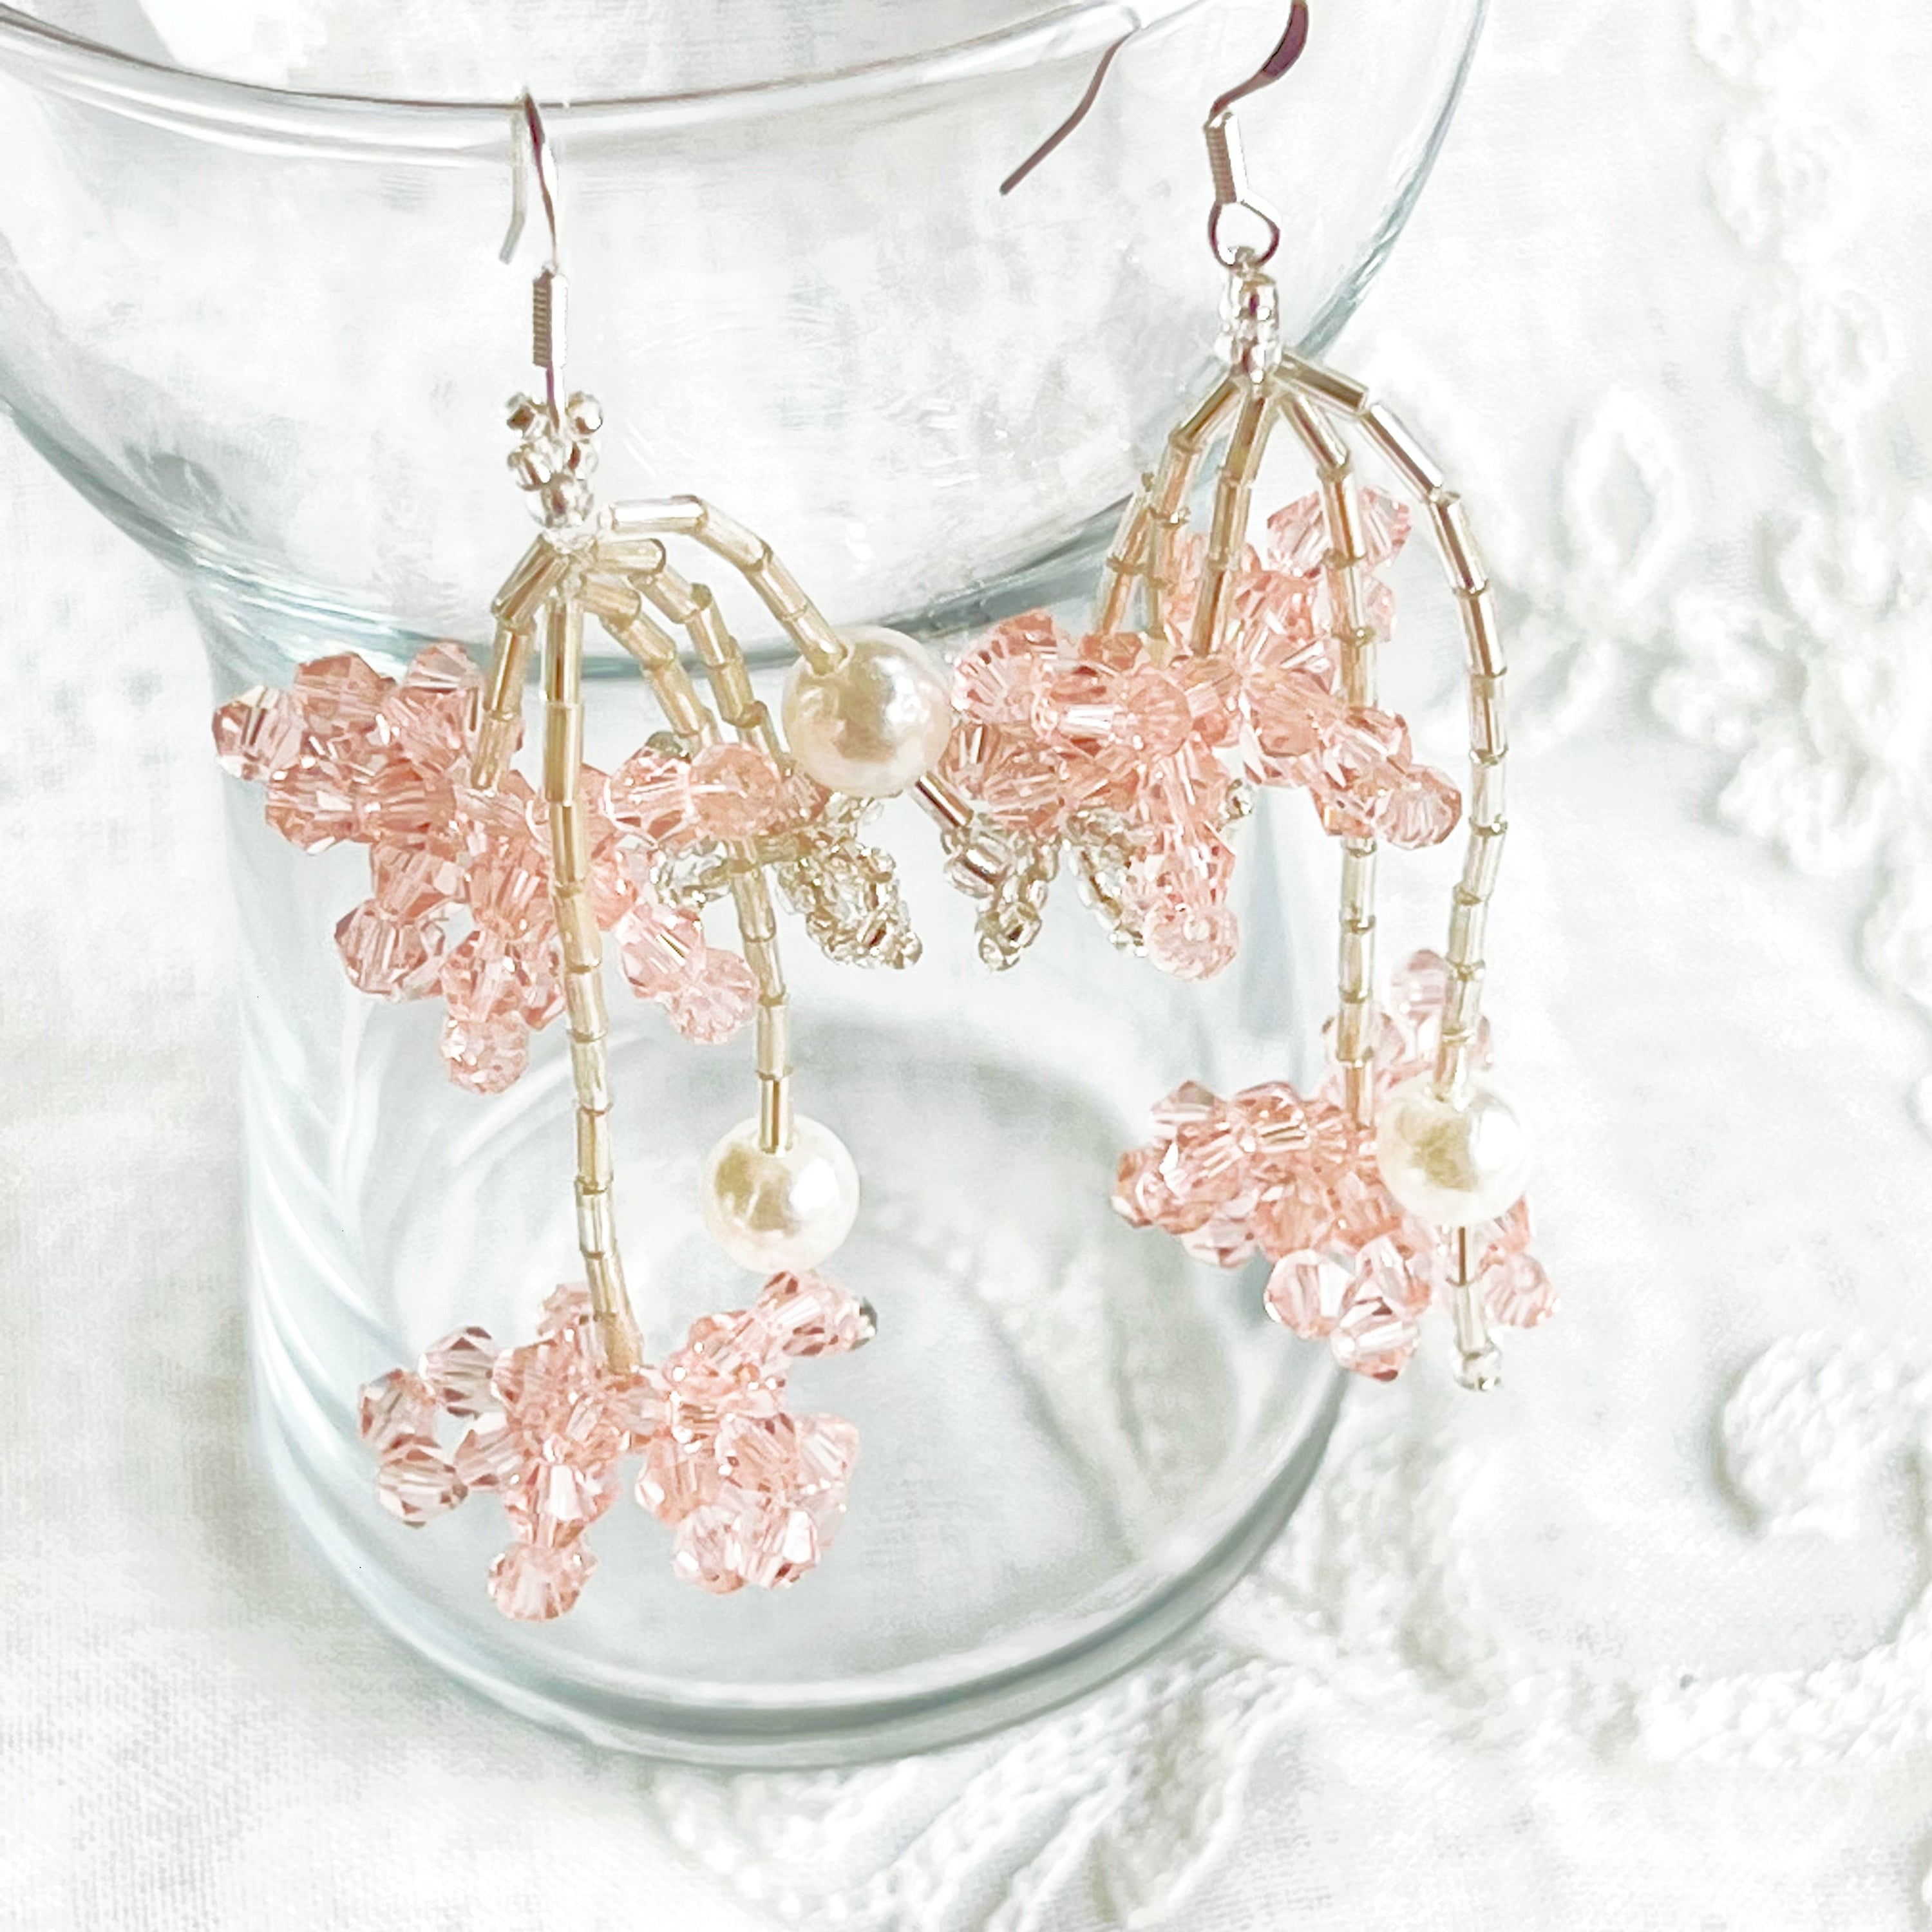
[737, 791]
[806, 1315]
[342, 692]
[996, 681]
[1419, 988]
[636, 1405]
[1306, 1294]
[456, 1370]
[780, 1541]
[738, 1540]
[1189, 935]
[429, 713]
[1373, 1339]
[1224, 1240]
[1298, 536]
[1286, 711]
[1517, 1291]
[658, 945]
[411, 884]
[1142, 1196]
[415, 1481]
[392, 958]
[403, 806]
[534, 1583]
[1298, 533]
[649, 794]
[1016, 778]
[758, 1452]
[673, 1482]
[827, 1453]
[258, 734]
[1384, 522]
[314, 808]
[490, 1455]
[485, 1034]
[1383, 1273]
[738, 1346]
[710, 1551]
[508, 872]
[1295, 1215]
[393, 1408]
[1422, 810]
[567, 1306]
[716, 999]
[554, 1502]
[484, 1055]
[1189, 1103]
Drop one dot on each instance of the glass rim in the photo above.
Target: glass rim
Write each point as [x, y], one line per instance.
[453, 131]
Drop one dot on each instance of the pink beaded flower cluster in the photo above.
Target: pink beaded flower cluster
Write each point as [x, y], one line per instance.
[1295, 1179]
[459, 903]
[754, 1493]
[1116, 751]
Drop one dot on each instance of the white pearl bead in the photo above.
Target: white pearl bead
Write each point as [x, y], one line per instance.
[1452, 1160]
[778, 1211]
[876, 723]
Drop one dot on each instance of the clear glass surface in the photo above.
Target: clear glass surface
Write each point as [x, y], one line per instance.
[268, 333]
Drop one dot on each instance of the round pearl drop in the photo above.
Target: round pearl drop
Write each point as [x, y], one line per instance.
[877, 723]
[1452, 1160]
[775, 1212]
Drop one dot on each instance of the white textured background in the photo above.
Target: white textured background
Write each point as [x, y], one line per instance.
[1645, 1642]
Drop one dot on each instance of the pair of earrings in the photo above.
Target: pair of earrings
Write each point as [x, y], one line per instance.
[1395, 1185]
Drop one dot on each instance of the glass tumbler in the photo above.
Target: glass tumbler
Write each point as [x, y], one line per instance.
[267, 332]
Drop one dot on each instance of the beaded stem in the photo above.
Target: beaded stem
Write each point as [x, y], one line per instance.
[1489, 740]
[753, 559]
[620, 607]
[694, 608]
[581, 946]
[1143, 547]
[1342, 565]
[1227, 531]
[1481, 1365]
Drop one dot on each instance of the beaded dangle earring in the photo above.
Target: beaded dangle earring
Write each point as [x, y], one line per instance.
[495, 895]
[1399, 1182]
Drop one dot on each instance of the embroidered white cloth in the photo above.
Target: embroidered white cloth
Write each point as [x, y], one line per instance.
[1644, 1640]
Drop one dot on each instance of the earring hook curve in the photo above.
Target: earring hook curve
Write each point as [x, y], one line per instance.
[1222, 135]
[1081, 110]
[530, 150]
[1287, 50]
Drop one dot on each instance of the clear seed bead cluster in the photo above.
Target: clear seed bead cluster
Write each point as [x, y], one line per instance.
[556, 455]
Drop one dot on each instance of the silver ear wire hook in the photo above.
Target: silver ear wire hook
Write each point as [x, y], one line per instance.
[530, 148]
[531, 151]
[1287, 52]
[1080, 111]
[1224, 161]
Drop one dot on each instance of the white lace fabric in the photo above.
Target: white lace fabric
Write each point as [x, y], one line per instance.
[1645, 1639]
